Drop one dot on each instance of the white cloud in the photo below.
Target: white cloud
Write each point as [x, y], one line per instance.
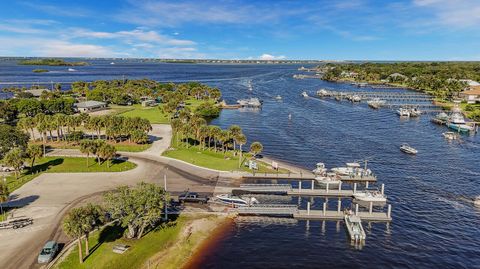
[459, 13]
[267, 56]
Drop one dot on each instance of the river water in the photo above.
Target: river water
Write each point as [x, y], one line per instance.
[435, 224]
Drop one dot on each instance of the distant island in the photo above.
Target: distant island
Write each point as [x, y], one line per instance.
[51, 62]
[40, 70]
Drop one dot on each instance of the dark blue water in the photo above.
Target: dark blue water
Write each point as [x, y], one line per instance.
[434, 223]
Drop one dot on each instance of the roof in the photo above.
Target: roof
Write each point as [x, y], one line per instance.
[37, 92]
[474, 90]
[88, 104]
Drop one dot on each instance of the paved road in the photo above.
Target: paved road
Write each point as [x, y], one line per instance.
[49, 196]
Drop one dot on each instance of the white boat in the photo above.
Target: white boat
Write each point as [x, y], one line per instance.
[329, 179]
[450, 135]
[408, 149]
[403, 112]
[278, 97]
[320, 169]
[323, 93]
[71, 70]
[112, 63]
[356, 98]
[370, 196]
[476, 202]
[236, 200]
[251, 102]
[457, 121]
[376, 103]
[415, 112]
[352, 169]
[304, 94]
[354, 227]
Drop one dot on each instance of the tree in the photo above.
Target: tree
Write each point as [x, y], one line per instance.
[8, 111]
[235, 130]
[136, 208]
[94, 215]
[86, 147]
[256, 148]
[107, 152]
[11, 137]
[4, 194]
[241, 140]
[74, 225]
[34, 152]
[14, 158]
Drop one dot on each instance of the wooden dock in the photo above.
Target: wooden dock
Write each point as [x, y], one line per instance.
[335, 215]
[305, 176]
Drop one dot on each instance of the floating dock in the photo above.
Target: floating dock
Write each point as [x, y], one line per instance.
[309, 176]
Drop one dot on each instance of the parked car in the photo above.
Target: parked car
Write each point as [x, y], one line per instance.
[192, 197]
[48, 252]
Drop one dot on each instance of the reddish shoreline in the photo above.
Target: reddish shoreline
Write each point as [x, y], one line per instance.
[210, 244]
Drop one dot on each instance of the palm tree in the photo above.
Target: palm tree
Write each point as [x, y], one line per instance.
[256, 148]
[86, 147]
[74, 226]
[203, 133]
[94, 216]
[214, 133]
[34, 152]
[60, 121]
[176, 127]
[14, 158]
[241, 140]
[235, 130]
[107, 152]
[4, 194]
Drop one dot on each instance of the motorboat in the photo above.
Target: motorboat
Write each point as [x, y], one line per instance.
[356, 98]
[403, 112]
[112, 63]
[71, 70]
[440, 118]
[450, 135]
[457, 121]
[320, 169]
[251, 102]
[408, 149]
[278, 97]
[352, 169]
[304, 94]
[376, 103]
[330, 179]
[354, 227]
[322, 93]
[415, 112]
[236, 200]
[476, 202]
[370, 196]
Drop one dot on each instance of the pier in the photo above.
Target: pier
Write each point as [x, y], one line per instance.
[305, 176]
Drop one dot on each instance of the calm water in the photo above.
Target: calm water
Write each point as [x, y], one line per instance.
[435, 224]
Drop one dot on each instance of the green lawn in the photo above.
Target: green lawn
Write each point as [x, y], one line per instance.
[213, 160]
[123, 146]
[65, 165]
[153, 114]
[101, 244]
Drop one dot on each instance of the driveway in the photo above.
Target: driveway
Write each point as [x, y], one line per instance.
[49, 196]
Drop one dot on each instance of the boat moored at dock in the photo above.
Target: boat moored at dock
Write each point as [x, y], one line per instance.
[352, 169]
[376, 103]
[403, 112]
[354, 227]
[320, 169]
[330, 179]
[236, 200]
[251, 102]
[374, 196]
[450, 135]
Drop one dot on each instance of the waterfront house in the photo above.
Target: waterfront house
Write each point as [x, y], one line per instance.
[90, 106]
[472, 95]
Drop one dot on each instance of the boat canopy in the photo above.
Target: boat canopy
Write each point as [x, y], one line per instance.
[354, 165]
[354, 218]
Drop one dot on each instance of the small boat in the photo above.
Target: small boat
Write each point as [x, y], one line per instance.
[304, 94]
[356, 98]
[408, 149]
[352, 169]
[457, 121]
[330, 179]
[71, 70]
[112, 63]
[323, 93]
[251, 102]
[370, 196]
[415, 112]
[450, 135]
[278, 97]
[376, 103]
[320, 169]
[236, 200]
[354, 227]
[403, 112]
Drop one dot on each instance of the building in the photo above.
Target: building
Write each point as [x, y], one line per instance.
[37, 92]
[90, 106]
[471, 96]
[470, 82]
[149, 102]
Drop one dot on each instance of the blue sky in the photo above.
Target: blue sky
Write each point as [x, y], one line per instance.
[334, 30]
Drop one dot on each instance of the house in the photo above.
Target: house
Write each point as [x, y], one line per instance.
[346, 74]
[90, 106]
[149, 102]
[37, 92]
[472, 95]
[470, 82]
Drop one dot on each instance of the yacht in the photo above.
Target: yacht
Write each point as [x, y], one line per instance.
[322, 93]
[457, 121]
[320, 169]
[352, 169]
[330, 179]
[356, 98]
[304, 94]
[251, 102]
[408, 149]
[376, 103]
[403, 112]
[450, 135]
[354, 227]
[370, 196]
[71, 70]
[236, 200]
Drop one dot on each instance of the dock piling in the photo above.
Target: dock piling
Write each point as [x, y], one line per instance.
[308, 208]
[340, 186]
[354, 188]
[389, 210]
[313, 182]
[299, 185]
[370, 208]
[324, 208]
[327, 187]
[356, 209]
[383, 188]
[339, 207]
[366, 185]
